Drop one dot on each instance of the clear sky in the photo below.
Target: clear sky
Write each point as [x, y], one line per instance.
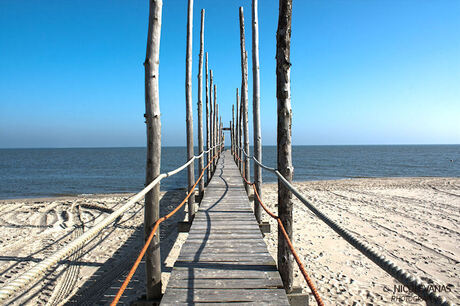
[363, 71]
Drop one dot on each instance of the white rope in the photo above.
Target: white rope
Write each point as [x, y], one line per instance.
[41, 268]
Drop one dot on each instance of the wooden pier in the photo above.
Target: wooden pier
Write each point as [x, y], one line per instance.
[225, 259]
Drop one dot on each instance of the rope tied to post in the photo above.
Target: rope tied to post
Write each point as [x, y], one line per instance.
[154, 230]
[286, 237]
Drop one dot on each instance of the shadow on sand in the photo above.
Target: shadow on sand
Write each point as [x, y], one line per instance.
[102, 286]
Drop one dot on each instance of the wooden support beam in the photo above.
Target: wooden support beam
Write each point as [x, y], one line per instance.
[240, 133]
[283, 95]
[232, 126]
[216, 111]
[153, 121]
[189, 111]
[200, 107]
[208, 125]
[211, 121]
[237, 129]
[256, 109]
[244, 96]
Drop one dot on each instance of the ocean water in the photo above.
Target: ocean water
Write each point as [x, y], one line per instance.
[53, 172]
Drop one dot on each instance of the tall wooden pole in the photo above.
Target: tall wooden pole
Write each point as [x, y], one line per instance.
[189, 111]
[200, 106]
[232, 125]
[208, 176]
[215, 121]
[211, 121]
[256, 109]
[283, 95]
[244, 96]
[237, 129]
[153, 121]
[240, 141]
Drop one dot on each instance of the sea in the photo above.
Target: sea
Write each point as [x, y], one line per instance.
[30, 173]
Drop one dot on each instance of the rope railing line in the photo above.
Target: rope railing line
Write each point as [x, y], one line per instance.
[40, 268]
[291, 247]
[288, 240]
[414, 284]
[152, 234]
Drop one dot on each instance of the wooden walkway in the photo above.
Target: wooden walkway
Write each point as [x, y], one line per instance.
[225, 259]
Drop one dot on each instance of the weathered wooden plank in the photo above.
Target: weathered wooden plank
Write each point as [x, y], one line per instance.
[252, 272]
[228, 257]
[191, 295]
[234, 227]
[219, 236]
[223, 250]
[273, 283]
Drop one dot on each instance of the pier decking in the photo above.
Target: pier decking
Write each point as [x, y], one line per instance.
[225, 259]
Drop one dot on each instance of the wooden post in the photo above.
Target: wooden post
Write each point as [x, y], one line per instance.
[232, 126]
[240, 141]
[256, 109]
[189, 111]
[208, 156]
[283, 95]
[211, 122]
[217, 118]
[237, 133]
[216, 110]
[244, 97]
[200, 106]
[153, 121]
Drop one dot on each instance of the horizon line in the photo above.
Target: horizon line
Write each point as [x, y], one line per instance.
[269, 145]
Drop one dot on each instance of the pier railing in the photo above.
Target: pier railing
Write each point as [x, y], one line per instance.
[413, 283]
[40, 269]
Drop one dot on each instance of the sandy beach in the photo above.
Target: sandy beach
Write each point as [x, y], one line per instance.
[413, 221]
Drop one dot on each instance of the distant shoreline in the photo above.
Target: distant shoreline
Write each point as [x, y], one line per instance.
[95, 195]
[228, 146]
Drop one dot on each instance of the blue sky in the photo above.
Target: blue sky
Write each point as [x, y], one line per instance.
[363, 72]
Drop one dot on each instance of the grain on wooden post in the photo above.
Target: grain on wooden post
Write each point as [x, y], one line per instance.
[244, 97]
[232, 126]
[189, 111]
[215, 122]
[240, 141]
[208, 176]
[237, 129]
[283, 95]
[247, 161]
[153, 122]
[200, 106]
[256, 108]
[211, 122]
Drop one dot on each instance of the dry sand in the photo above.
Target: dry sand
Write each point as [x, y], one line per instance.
[32, 229]
[413, 221]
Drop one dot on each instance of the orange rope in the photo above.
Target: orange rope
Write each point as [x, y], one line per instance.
[152, 234]
[291, 246]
